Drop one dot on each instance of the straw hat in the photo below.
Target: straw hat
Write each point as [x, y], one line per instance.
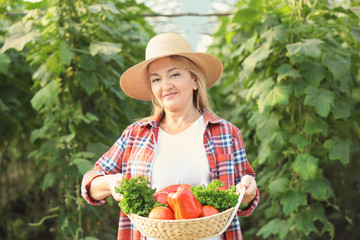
[134, 81]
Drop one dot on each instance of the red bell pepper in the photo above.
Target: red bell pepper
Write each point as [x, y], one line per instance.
[184, 204]
[173, 188]
[162, 195]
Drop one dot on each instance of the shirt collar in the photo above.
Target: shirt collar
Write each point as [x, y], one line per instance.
[209, 117]
[155, 122]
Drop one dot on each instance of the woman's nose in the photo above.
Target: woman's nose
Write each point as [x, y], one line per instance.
[166, 83]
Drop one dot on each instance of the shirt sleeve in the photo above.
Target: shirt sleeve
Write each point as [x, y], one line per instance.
[109, 163]
[242, 167]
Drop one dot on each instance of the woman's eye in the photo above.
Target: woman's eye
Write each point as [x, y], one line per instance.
[155, 80]
[175, 75]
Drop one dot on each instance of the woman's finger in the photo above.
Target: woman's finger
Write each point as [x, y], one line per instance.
[246, 180]
[116, 183]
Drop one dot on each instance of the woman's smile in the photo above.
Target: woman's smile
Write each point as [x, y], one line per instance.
[172, 86]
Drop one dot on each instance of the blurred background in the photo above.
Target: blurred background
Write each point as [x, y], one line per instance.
[291, 83]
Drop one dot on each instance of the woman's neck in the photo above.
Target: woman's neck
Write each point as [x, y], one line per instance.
[174, 123]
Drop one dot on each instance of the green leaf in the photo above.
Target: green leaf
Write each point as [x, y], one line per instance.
[264, 151]
[89, 118]
[46, 94]
[310, 47]
[271, 227]
[91, 238]
[292, 200]
[279, 139]
[19, 35]
[249, 45]
[3, 107]
[314, 124]
[305, 224]
[303, 28]
[338, 149]
[98, 8]
[258, 55]
[53, 63]
[300, 141]
[85, 155]
[298, 87]
[306, 166]
[4, 63]
[313, 72]
[87, 63]
[355, 95]
[317, 212]
[355, 31]
[245, 15]
[279, 95]
[260, 87]
[337, 64]
[355, 127]
[278, 186]
[275, 226]
[341, 109]
[83, 165]
[267, 124]
[319, 188]
[88, 80]
[67, 138]
[65, 53]
[286, 70]
[48, 181]
[275, 34]
[321, 99]
[106, 48]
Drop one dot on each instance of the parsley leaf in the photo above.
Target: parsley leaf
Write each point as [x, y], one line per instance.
[137, 196]
[213, 195]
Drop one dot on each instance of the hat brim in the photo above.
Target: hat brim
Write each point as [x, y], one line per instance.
[135, 83]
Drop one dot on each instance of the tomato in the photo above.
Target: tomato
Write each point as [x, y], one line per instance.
[161, 212]
[208, 210]
[161, 197]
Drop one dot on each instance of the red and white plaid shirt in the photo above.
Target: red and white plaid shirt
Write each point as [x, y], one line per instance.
[133, 154]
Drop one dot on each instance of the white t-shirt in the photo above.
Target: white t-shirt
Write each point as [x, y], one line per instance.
[181, 158]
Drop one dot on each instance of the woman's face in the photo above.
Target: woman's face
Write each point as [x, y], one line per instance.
[172, 86]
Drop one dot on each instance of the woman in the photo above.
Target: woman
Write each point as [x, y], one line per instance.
[183, 141]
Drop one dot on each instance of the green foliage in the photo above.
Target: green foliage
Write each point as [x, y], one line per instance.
[213, 195]
[61, 107]
[137, 196]
[291, 83]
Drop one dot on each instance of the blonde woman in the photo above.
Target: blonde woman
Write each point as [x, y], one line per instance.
[183, 141]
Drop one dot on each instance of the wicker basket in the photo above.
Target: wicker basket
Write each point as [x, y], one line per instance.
[197, 228]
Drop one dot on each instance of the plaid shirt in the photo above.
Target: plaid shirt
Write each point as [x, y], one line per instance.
[133, 154]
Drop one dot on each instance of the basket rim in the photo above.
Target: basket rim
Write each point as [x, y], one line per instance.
[182, 220]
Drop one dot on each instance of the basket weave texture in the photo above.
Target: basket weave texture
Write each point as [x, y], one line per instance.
[197, 228]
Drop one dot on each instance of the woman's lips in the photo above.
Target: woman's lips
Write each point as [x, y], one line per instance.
[169, 95]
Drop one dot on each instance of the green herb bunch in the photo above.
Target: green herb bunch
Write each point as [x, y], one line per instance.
[214, 196]
[137, 196]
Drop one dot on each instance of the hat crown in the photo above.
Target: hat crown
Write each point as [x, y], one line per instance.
[165, 44]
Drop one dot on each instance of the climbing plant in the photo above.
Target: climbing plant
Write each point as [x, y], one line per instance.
[61, 108]
[291, 83]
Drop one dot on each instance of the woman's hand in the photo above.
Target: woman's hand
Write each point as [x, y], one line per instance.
[250, 185]
[104, 186]
[115, 182]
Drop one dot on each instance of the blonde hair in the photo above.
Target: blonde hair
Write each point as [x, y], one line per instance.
[201, 100]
